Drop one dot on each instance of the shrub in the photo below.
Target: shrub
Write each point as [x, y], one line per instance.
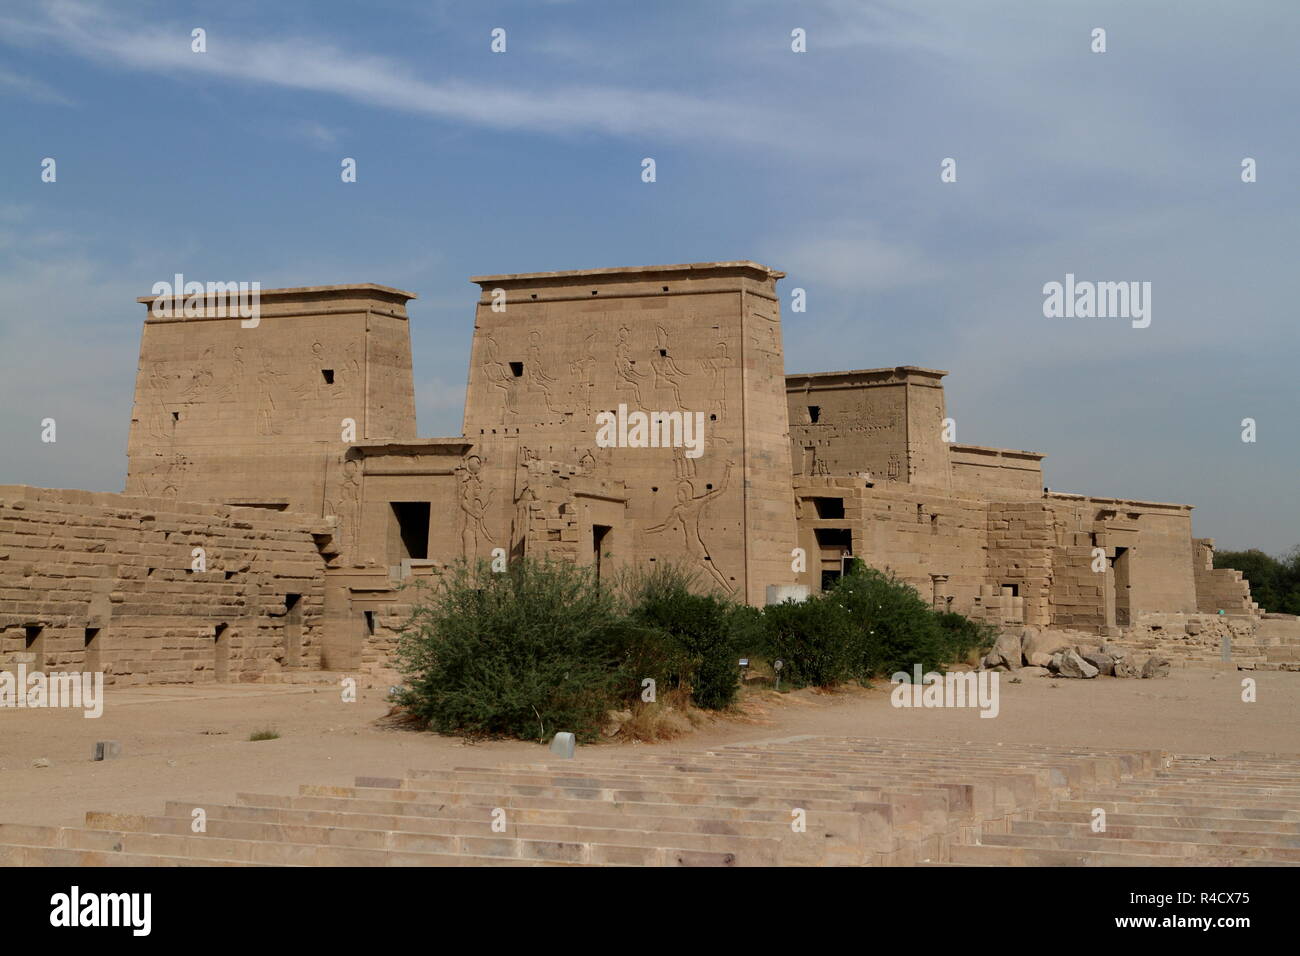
[962, 635]
[895, 627]
[697, 630]
[814, 639]
[525, 653]
[269, 733]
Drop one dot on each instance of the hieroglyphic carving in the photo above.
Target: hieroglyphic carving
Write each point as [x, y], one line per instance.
[202, 378]
[625, 368]
[666, 372]
[473, 504]
[685, 514]
[683, 467]
[267, 384]
[159, 418]
[347, 507]
[535, 370]
[716, 366]
[499, 374]
[582, 371]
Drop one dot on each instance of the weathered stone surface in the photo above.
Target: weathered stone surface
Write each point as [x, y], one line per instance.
[106, 750]
[1155, 667]
[1124, 667]
[1104, 663]
[1036, 642]
[563, 745]
[1067, 663]
[1006, 651]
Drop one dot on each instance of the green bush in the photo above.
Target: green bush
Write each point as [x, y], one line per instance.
[1274, 582]
[895, 627]
[962, 635]
[814, 639]
[698, 632]
[525, 653]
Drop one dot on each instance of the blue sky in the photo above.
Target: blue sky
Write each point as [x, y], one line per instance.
[1114, 166]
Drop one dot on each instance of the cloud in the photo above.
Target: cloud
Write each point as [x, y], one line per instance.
[852, 264]
[26, 87]
[322, 67]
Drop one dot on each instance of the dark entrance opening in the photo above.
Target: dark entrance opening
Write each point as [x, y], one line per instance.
[829, 507]
[602, 537]
[221, 653]
[92, 650]
[293, 629]
[412, 528]
[34, 643]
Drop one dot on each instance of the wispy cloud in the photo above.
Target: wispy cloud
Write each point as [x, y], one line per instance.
[319, 66]
[29, 88]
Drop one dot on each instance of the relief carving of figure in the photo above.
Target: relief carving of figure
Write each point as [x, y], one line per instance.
[667, 374]
[535, 371]
[499, 374]
[716, 366]
[625, 366]
[685, 514]
[348, 509]
[266, 404]
[582, 370]
[474, 504]
[160, 420]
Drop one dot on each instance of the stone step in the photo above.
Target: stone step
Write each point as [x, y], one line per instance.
[1184, 808]
[1037, 826]
[984, 855]
[1174, 821]
[525, 842]
[844, 843]
[979, 796]
[1139, 847]
[131, 833]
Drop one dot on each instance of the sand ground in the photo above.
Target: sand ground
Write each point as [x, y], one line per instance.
[191, 743]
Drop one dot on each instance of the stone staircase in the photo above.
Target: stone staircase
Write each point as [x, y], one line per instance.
[862, 802]
[1196, 811]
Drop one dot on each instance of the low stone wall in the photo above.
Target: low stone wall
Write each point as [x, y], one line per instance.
[107, 582]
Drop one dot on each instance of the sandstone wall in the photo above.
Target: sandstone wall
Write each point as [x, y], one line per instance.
[702, 338]
[1220, 589]
[106, 582]
[914, 533]
[255, 415]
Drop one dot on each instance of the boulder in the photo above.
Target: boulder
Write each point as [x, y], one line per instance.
[1006, 651]
[1069, 664]
[1035, 672]
[1155, 667]
[1124, 667]
[1034, 641]
[1102, 661]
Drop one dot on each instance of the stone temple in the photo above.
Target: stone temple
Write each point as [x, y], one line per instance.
[278, 495]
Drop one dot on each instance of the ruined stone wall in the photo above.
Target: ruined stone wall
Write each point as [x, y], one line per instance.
[1020, 540]
[1220, 589]
[96, 581]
